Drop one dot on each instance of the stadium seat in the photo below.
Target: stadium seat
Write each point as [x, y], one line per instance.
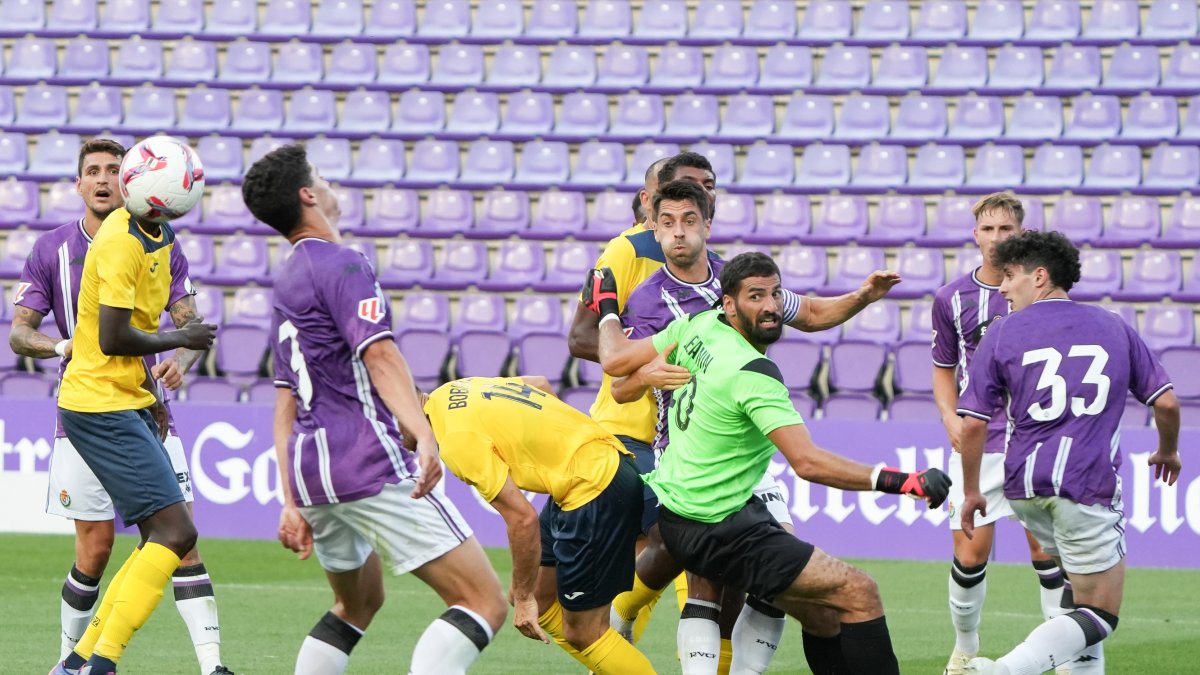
[84, 60]
[863, 118]
[447, 212]
[717, 20]
[585, 114]
[313, 111]
[1055, 167]
[406, 262]
[913, 372]
[923, 271]
[883, 20]
[425, 311]
[787, 67]
[26, 385]
[1151, 117]
[1038, 118]
[898, 219]
[515, 65]
[433, 161]
[391, 19]
[535, 314]
[1073, 67]
[352, 207]
[1165, 326]
[598, 164]
[938, 167]
[807, 117]
[851, 407]
[662, 20]
[826, 20]
[1094, 118]
[351, 64]
[1153, 275]
[693, 115]
[555, 19]
[1165, 21]
[1112, 20]
[785, 218]
[482, 353]
[1078, 218]
[478, 312]
[677, 67]
[798, 361]
[243, 259]
[519, 265]
[474, 113]
[772, 20]
[286, 18]
[1180, 362]
[977, 118]
[31, 58]
[230, 19]
[579, 398]
[608, 217]
[878, 323]
[1131, 222]
[570, 65]
[542, 163]
[570, 261]
[125, 17]
[459, 265]
[1132, 67]
[606, 19]
[961, 67]
[61, 205]
[420, 112]
[902, 67]
[403, 64]
[1173, 168]
[747, 116]
[732, 66]
[201, 256]
[1100, 274]
[427, 352]
[528, 114]
[498, 19]
[459, 65]
[445, 19]
[14, 151]
[997, 167]
[941, 20]
[138, 60]
[998, 20]
[246, 62]
[845, 67]
[768, 165]
[952, 222]
[823, 166]
[1114, 167]
[66, 17]
[298, 63]
[331, 156]
[721, 156]
[854, 366]
[338, 19]
[17, 246]
[193, 62]
[258, 110]
[97, 107]
[504, 213]
[488, 163]
[203, 389]
[251, 306]
[23, 15]
[543, 354]
[210, 303]
[55, 155]
[881, 166]
[913, 408]
[920, 118]
[556, 214]
[918, 325]
[1017, 67]
[44, 106]
[239, 351]
[735, 218]
[1053, 20]
[851, 266]
[365, 112]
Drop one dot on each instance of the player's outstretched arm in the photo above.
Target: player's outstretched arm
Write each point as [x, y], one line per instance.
[524, 538]
[119, 338]
[294, 531]
[1166, 460]
[974, 436]
[26, 340]
[818, 314]
[393, 380]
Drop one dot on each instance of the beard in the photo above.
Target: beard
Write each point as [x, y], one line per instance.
[684, 259]
[757, 333]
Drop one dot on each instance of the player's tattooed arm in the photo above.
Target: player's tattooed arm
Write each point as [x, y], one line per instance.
[25, 338]
[184, 312]
[816, 314]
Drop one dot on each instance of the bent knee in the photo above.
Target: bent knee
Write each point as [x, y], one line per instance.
[862, 593]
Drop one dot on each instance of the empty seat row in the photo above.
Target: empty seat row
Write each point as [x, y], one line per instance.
[618, 66]
[658, 21]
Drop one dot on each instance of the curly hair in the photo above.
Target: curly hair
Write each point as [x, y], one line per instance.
[744, 266]
[682, 191]
[271, 188]
[1051, 250]
[99, 145]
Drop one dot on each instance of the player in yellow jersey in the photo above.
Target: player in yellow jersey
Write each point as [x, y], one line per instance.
[502, 435]
[111, 410]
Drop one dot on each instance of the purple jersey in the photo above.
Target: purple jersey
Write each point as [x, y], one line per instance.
[1061, 370]
[328, 308]
[962, 312]
[50, 284]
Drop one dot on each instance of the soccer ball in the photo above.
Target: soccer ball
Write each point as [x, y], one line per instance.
[161, 179]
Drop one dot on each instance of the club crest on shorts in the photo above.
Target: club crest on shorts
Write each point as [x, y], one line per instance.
[64, 497]
[950, 505]
[371, 309]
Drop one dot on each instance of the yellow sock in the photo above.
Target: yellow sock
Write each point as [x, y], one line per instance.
[136, 599]
[611, 654]
[643, 619]
[726, 657]
[87, 643]
[681, 590]
[551, 621]
[630, 603]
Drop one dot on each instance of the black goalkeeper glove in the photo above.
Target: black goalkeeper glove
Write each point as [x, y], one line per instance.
[930, 484]
[600, 292]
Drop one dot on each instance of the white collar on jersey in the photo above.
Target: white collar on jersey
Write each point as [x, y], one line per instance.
[83, 231]
[975, 278]
[688, 283]
[301, 241]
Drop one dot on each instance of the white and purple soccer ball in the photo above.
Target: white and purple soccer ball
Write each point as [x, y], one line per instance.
[161, 179]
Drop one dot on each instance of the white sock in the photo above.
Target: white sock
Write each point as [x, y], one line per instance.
[1056, 642]
[451, 643]
[756, 636]
[1090, 661]
[326, 650]
[198, 606]
[966, 604]
[699, 638]
[1051, 585]
[79, 594]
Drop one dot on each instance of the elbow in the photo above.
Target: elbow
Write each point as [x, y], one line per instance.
[1167, 405]
[575, 345]
[615, 366]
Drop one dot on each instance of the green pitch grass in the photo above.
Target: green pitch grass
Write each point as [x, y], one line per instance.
[268, 602]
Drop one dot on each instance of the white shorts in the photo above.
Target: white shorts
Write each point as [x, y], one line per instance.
[768, 491]
[75, 492]
[1088, 539]
[991, 484]
[406, 532]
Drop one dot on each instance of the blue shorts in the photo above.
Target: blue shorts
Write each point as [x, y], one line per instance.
[643, 459]
[123, 450]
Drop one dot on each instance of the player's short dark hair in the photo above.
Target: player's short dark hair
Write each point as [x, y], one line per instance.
[271, 188]
[638, 216]
[682, 191]
[99, 145]
[686, 158]
[1032, 249]
[742, 267]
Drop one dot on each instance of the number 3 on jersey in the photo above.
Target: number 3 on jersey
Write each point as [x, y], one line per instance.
[1058, 386]
[287, 331]
[683, 401]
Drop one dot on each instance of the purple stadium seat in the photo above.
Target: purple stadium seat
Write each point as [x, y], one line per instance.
[784, 218]
[677, 66]
[852, 407]
[608, 217]
[863, 117]
[312, 111]
[787, 67]
[586, 114]
[1175, 167]
[251, 306]
[1056, 167]
[351, 63]
[26, 385]
[1179, 362]
[14, 151]
[70, 17]
[803, 269]
[571, 66]
[535, 314]
[797, 360]
[941, 20]
[420, 112]
[662, 20]
[488, 162]
[85, 60]
[845, 67]
[1150, 117]
[1132, 221]
[961, 67]
[807, 117]
[298, 63]
[636, 115]
[1166, 19]
[589, 372]
[938, 166]
[693, 115]
[460, 264]
[543, 354]
[478, 312]
[210, 304]
[504, 212]
[498, 20]
[768, 166]
[542, 163]
[392, 19]
[286, 17]
[898, 219]
[552, 19]
[528, 113]
[918, 326]
[913, 371]
[243, 259]
[913, 408]
[557, 214]
[1168, 326]
[403, 64]
[62, 204]
[1074, 67]
[569, 261]
[246, 62]
[32, 58]
[1153, 275]
[884, 20]
[459, 64]
[55, 154]
[519, 265]
[720, 155]
[338, 18]
[1191, 119]
[1055, 20]
[720, 20]
[331, 156]
[474, 113]
[203, 389]
[607, 19]
[772, 20]
[434, 161]
[446, 19]
[202, 257]
[920, 118]
[1039, 117]
[579, 398]
[748, 116]
[881, 166]
[1094, 117]
[426, 352]
[125, 16]
[23, 15]
[1132, 67]
[379, 160]
[1017, 67]
[366, 112]
[225, 212]
[1100, 276]
[878, 323]
[855, 365]
[732, 66]
[482, 353]
[826, 20]
[735, 217]
[232, 18]
[405, 263]
[138, 60]
[923, 270]
[977, 118]
[851, 266]
[903, 67]
[952, 222]
[206, 110]
[598, 163]
[447, 212]
[97, 106]
[998, 20]
[823, 166]
[16, 250]
[151, 108]
[193, 62]
[1114, 167]
[44, 106]
[1079, 218]
[515, 65]
[1113, 19]
[258, 110]
[1183, 225]
[352, 205]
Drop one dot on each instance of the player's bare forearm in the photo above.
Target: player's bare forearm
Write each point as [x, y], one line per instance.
[285, 417]
[620, 356]
[584, 337]
[817, 314]
[524, 537]
[25, 339]
[974, 436]
[945, 391]
[184, 312]
[119, 338]
[630, 388]
[393, 380]
[1166, 419]
[817, 465]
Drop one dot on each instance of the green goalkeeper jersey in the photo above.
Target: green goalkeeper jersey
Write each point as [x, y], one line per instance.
[719, 422]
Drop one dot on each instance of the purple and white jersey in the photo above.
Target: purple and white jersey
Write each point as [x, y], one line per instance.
[1061, 369]
[962, 312]
[328, 309]
[50, 285]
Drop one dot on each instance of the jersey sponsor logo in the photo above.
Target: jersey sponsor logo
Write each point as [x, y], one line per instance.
[371, 309]
[572, 596]
[19, 291]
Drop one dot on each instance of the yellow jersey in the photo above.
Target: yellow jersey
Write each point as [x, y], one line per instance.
[489, 428]
[127, 268]
[632, 256]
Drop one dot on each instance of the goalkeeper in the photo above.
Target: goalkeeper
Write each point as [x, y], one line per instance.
[725, 425]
